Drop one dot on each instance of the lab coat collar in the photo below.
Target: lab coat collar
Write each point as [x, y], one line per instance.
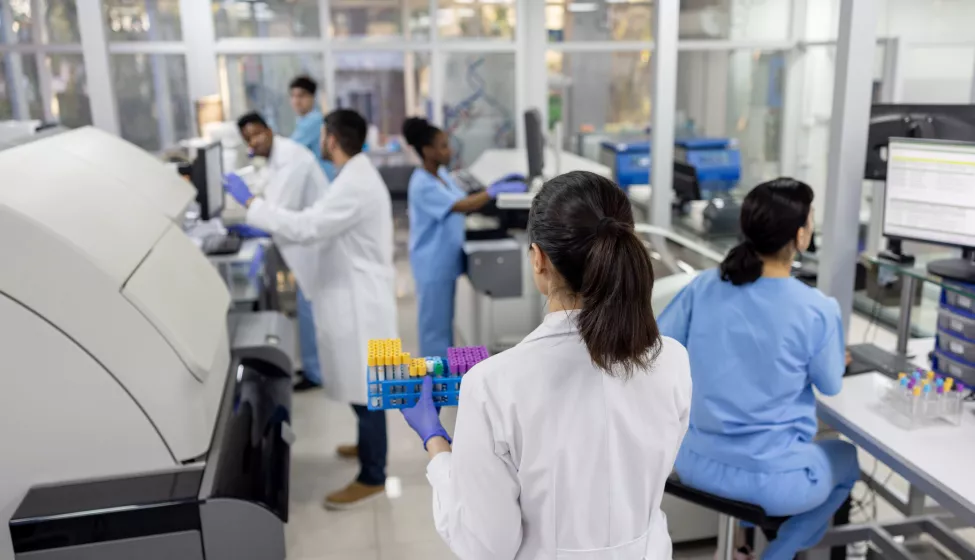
[559, 323]
[279, 152]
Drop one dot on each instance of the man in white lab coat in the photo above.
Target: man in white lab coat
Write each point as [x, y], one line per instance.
[351, 279]
[295, 181]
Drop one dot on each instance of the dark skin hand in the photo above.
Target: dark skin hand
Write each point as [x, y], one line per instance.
[438, 154]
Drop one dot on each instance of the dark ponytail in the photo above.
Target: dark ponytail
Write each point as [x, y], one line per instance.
[771, 217]
[584, 224]
[419, 133]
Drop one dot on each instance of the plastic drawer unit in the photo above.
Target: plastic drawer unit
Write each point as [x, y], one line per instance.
[946, 364]
[956, 322]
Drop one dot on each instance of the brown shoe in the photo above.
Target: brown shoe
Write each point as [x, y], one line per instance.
[353, 495]
[347, 451]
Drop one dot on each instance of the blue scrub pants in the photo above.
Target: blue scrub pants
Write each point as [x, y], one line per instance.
[306, 340]
[435, 307]
[810, 495]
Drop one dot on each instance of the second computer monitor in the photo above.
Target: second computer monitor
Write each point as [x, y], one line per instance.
[207, 176]
[534, 143]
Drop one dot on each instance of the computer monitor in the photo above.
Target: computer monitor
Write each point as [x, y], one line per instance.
[686, 187]
[534, 143]
[930, 197]
[207, 176]
[941, 122]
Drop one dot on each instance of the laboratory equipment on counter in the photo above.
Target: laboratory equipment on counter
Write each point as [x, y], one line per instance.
[629, 161]
[395, 378]
[716, 162]
[930, 197]
[114, 332]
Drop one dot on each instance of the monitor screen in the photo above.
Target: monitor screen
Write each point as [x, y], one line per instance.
[534, 143]
[213, 161]
[930, 194]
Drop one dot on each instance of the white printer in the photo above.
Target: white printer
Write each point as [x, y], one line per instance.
[113, 327]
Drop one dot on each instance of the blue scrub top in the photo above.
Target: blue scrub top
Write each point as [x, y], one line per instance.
[756, 352]
[436, 232]
[308, 133]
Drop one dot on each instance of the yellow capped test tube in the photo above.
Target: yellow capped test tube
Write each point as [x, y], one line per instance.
[949, 382]
[917, 390]
[930, 374]
[901, 375]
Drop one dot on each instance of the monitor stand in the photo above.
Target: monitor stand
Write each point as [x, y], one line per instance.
[895, 253]
[962, 270]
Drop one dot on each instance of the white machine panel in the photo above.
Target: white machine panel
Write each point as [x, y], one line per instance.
[177, 289]
[82, 203]
[57, 281]
[62, 416]
[166, 193]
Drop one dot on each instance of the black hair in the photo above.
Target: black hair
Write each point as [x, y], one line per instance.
[584, 224]
[251, 118]
[349, 128]
[305, 83]
[419, 133]
[771, 217]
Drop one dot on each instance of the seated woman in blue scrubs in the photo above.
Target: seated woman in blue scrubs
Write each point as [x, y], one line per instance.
[759, 341]
[437, 207]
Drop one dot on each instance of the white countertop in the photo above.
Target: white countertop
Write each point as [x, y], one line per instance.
[940, 459]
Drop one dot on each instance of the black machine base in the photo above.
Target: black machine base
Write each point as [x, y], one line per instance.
[962, 270]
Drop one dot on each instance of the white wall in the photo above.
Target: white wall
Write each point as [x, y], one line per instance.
[927, 72]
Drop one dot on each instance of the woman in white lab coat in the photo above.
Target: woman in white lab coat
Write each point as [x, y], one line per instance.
[563, 443]
[351, 279]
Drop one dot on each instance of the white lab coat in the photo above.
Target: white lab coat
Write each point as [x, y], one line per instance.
[349, 276]
[555, 459]
[295, 181]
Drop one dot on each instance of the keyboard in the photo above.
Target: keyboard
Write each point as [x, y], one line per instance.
[468, 182]
[221, 245]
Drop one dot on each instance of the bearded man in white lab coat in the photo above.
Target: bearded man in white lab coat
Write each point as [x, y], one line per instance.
[351, 282]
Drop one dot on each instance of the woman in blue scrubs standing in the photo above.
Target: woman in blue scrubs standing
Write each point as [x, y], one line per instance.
[759, 341]
[437, 207]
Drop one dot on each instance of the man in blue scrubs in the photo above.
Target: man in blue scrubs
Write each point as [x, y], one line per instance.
[308, 131]
[308, 127]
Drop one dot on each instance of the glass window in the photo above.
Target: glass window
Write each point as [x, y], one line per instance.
[260, 83]
[579, 93]
[480, 103]
[142, 20]
[70, 104]
[350, 18]
[373, 83]
[269, 18]
[22, 69]
[61, 20]
[476, 18]
[153, 99]
[735, 95]
[604, 20]
[20, 28]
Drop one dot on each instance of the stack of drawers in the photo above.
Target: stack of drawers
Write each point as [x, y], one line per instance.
[955, 352]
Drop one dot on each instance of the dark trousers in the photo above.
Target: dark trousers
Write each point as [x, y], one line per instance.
[372, 445]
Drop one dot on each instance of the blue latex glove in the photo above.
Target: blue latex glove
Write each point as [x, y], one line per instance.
[245, 231]
[237, 188]
[423, 417]
[499, 187]
[512, 177]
